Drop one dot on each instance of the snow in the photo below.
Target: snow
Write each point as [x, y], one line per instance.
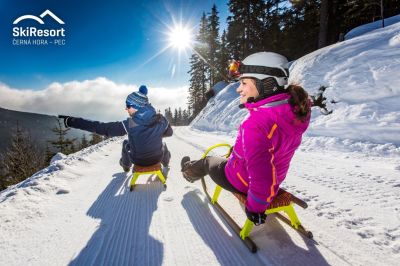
[99, 221]
[79, 210]
[219, 86]
[361, 76]
[363, 29]
[221, 113]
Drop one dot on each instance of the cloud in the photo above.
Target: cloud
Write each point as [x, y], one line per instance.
[97, 99]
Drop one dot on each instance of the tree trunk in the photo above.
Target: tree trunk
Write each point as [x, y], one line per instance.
[323, 24]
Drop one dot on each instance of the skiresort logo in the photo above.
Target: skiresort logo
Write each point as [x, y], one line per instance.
[38, 35]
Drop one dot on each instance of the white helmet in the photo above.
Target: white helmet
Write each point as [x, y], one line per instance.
[265, 64]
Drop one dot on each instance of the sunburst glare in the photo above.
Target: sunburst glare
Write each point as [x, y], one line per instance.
[180, 37]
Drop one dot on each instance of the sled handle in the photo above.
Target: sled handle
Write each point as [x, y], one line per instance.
[216, 146]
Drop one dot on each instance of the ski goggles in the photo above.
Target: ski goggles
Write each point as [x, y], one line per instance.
[237, 68]
[233, 70]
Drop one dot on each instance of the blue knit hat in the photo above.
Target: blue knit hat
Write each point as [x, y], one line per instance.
[138, 99]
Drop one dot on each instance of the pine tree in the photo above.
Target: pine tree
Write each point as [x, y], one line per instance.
[257, 20]
[236, 35]
[214, 47]
[95, 138]
[223, 56]
[323, 23]
[168, 115]
[198, 70]
[364, 11]
[246, 27]
[194, 98]
[49, 154]
[311, 23]
[84, 142]
[72, 148]
[62, 144]
[175, 119]
[203, 63]
[272, 35]
[21, 159]
[180, 120]
[202, 49]
[185, 117]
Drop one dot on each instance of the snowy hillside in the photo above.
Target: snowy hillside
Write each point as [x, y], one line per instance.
[362, 76]
[222, 112]
[79, 211]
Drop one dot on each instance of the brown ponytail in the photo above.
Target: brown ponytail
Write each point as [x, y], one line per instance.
[299, 101]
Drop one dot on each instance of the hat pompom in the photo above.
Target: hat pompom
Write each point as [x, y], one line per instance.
[143, 89]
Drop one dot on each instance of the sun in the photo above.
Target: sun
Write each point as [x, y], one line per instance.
[180, 37]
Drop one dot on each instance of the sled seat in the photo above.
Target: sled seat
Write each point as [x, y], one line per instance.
[147, 170]
[283, 201]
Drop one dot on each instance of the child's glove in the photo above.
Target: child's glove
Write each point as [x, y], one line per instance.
[65, 117]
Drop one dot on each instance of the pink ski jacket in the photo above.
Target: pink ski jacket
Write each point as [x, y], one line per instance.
[264, 147]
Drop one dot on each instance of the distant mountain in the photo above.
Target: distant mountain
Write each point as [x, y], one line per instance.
[38, 125]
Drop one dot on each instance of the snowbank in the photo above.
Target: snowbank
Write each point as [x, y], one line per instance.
[363, 29]
[58, 163]
[361, 76]
[222, 112]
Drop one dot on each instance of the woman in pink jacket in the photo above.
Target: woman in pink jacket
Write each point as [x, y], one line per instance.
[278, 116]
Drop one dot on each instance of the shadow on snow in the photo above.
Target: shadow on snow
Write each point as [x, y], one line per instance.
[277, 247]
[122, 237]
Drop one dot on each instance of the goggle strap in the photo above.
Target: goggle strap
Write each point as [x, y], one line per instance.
[271, 71]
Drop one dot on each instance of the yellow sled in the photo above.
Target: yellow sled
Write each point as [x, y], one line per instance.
[282, 203]
[147, 170]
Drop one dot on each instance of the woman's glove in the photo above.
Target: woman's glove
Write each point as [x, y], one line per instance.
[65, 117]
[256, 218]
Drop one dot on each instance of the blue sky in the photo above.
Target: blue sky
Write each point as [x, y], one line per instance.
[112, 39]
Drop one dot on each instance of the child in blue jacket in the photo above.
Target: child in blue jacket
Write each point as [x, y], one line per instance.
[144, 127]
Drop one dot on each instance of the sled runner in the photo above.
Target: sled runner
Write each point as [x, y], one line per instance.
[144, 170]
[283, 202]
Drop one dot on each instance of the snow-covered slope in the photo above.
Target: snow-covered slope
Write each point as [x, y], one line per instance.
[362, 76]
[79, 211]
[222, 112]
